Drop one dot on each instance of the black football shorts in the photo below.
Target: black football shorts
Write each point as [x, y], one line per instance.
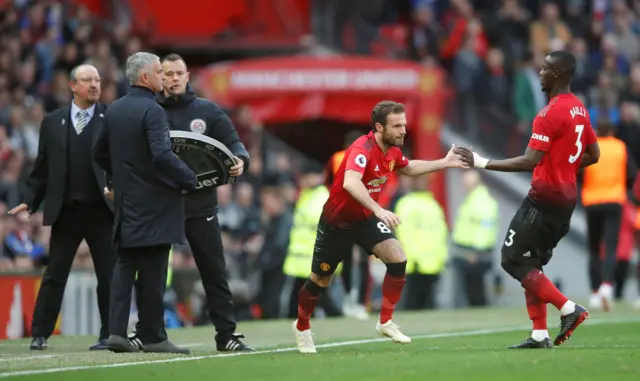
[533, 234]
[333, 243]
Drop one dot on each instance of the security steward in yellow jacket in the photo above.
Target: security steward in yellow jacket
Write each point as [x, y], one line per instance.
[605, 188]
[423, 235]
[475, 235]
[297, 264]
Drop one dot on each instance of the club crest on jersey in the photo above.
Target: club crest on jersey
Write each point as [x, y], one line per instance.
[361, 161]
[392, 164]
[198, 126]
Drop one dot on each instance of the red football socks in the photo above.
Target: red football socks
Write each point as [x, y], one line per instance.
[306, 306]
[542, 288]
[537, 311]
[391, 292]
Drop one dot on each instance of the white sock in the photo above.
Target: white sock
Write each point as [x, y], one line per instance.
[568, 308]
[539, 334]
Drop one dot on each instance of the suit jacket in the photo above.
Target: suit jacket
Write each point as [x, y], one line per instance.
[148, 179]
[47, 181]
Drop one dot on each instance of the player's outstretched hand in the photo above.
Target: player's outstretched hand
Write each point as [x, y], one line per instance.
[466, 155]
[389, 218]
[455, 160]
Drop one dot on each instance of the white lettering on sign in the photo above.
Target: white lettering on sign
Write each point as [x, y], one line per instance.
[208, 182]
[327, 79]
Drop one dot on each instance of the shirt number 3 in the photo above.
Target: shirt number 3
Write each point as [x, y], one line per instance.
[573, 158]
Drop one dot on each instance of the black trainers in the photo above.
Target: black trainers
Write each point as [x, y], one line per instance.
[134, 339]
[569, 322]
[530, 343]
[38, 344]
[234, 344]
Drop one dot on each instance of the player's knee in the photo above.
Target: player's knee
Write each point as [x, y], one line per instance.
[390, 251]
[397, 270]
[314, 288]
[516, 270]
[320, 280]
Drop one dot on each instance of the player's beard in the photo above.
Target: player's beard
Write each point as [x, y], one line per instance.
[389, 141]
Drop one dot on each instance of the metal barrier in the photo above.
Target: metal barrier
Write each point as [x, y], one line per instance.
[80, 315]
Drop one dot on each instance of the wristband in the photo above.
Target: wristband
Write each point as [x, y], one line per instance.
[479, 161]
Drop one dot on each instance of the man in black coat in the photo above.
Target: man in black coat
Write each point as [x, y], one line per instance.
[70, 182]
[185, 111]
[148, 182]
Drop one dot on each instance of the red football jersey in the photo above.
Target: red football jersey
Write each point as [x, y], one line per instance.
[366, 157]
[562, 130]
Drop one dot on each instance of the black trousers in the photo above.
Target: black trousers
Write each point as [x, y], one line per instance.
[205, 240]
[421, 291]
[363, 268]
[326, 301]
[471, 275]
[151, 265]
[621, 273]
[271, 283]
[92, 223]
[603, 224]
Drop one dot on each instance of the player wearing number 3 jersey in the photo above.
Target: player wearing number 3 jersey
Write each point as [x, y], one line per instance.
[352, 215]
[562, 141]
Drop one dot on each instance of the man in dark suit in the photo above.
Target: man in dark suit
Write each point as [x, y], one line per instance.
[67, 178]
[148, 182]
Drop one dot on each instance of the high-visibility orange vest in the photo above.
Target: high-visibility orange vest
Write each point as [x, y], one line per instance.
[606, 181]
[334, 164]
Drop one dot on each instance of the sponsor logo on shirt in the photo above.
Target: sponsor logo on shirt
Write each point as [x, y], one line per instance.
[542, 138]
[376, 183]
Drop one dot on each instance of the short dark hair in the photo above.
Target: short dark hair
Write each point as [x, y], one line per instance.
[382, 110]
[173, 57]
[564, 61]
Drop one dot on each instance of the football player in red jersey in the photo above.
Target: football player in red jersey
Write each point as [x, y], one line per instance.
[562, 142]
[351, 216]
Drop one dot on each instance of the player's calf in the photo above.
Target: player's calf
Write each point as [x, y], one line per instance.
[308, 297]
[391, 253]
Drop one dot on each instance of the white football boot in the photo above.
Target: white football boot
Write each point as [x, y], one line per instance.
[390, 330]
[304, 339]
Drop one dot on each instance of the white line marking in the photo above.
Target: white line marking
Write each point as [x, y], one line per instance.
[19, 358]
[476, 332]
[191, 345]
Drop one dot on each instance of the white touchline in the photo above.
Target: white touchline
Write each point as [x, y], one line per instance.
[22, 358]
[486, 331]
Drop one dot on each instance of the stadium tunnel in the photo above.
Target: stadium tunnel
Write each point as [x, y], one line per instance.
[312, 102]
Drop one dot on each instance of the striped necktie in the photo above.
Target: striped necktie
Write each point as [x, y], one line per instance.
[82, 118]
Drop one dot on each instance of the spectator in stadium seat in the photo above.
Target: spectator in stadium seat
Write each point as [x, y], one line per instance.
[631, 92]
[582, 77]
[492, 88]
[576, 18]
[608, 57]
[628, 130]
[548, 28]
[425, 34]
[528, 97]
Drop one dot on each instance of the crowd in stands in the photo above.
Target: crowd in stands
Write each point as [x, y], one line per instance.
[492, 50]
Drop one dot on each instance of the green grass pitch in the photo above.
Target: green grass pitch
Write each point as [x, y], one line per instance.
[447, 345]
